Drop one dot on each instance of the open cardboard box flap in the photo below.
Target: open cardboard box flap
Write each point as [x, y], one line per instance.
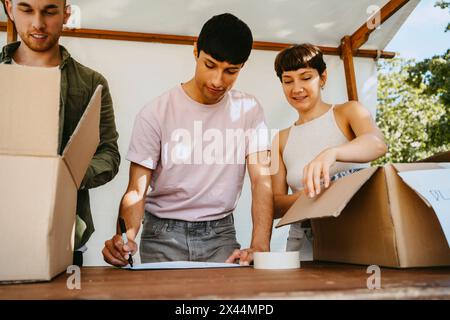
[84, 141]
[430, 182]
[405, 167]
[333, 200]
[329, 203]
[440, 157]
[29, 123]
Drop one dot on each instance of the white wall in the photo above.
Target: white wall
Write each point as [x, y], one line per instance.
[139, 72]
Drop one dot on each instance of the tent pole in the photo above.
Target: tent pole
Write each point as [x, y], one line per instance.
[351, 44]
[11, 33]
[349, 68]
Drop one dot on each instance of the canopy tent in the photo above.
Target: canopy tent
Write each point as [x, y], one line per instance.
[339, 29]
[147, 52]
[287, 21]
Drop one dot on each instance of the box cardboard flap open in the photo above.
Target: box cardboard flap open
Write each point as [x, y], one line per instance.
[84, 141]
[430, 181]
[440, 157]
[406, 167]
[29, 123]
[329, 203]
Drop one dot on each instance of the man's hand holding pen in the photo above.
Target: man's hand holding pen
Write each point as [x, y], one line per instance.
[117, 253]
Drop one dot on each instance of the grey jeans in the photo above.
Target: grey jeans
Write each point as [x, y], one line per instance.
[177, 240]
[300, 239]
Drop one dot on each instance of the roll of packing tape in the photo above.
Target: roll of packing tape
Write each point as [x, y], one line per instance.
[276, 260]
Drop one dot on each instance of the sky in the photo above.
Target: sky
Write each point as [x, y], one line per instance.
[422, 35]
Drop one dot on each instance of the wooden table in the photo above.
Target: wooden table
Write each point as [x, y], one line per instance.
[313, 281]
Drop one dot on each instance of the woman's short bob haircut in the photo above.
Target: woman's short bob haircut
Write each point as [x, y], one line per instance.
[299, 56]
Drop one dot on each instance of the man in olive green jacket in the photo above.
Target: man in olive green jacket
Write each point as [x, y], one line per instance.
[39, 25]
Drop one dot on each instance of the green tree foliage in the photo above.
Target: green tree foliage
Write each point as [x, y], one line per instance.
[435, 74]
[414, 105]
[414, 120]
[443, 5]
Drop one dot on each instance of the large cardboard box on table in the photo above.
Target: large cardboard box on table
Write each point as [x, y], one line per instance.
[373, 217]
[38, 187]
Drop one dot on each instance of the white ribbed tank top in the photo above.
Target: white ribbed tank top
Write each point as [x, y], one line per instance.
[306, 141]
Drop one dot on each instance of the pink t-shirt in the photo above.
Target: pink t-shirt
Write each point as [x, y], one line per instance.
[197, 152]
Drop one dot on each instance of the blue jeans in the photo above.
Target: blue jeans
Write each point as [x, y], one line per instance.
[177, 240]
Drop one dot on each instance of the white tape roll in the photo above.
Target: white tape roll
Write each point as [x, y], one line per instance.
[276, 260]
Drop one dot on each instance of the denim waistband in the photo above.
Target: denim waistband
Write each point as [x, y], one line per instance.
[191, 224]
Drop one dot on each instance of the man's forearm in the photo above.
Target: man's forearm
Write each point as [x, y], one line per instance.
[262, 213]
[132, 211]
[102, 169]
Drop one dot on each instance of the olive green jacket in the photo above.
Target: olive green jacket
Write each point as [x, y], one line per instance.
[78, 84]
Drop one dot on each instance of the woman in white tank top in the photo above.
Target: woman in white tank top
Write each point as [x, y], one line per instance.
[325, 140]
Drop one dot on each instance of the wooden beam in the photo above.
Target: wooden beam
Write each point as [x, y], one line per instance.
[189, 40]
[332, 51]
[351, 44]
[11, 33]
[9, 28]
[349, 68]
[361, 35]
[128, 36]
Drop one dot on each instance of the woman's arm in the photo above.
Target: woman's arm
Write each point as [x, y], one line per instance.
[367, 145]
[282, 201]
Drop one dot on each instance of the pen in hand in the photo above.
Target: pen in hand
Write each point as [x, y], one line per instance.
[123, 230]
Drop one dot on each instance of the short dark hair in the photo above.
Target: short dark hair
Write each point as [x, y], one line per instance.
[226, 38]
[299, 56]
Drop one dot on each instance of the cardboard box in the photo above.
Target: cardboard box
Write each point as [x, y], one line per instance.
[373, 217]
[38, 187]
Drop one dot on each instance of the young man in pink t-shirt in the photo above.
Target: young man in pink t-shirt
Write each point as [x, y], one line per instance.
[192, 145]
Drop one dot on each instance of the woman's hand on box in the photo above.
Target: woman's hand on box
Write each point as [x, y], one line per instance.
[116, 252]
[317, 169]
